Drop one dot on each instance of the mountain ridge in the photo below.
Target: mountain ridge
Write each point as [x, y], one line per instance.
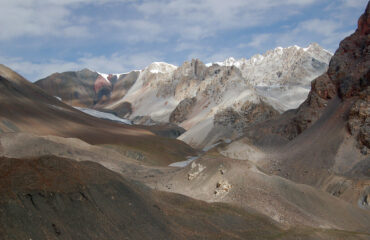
[280, 78]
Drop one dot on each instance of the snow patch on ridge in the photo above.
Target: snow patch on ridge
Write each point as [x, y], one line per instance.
[105, 76]
[104, 115]
[258, 58]
[160, 67]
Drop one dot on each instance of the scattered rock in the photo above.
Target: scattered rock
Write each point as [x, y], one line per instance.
[135, 155]
[222, 187]
[196, 169]
[221, 169]
[366, 200]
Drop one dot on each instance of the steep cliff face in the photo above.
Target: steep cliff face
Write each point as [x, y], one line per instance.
[349, 68]
[350, 72]
[294, 122]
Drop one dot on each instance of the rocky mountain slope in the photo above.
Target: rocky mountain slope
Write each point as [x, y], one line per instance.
[323, 143]
[58, 187]
[24, 107]
[196, 96]
[76, 183]
[278, 80]
[315, 155]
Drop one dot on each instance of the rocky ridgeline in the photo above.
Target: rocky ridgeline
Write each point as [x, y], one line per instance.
[347, 78]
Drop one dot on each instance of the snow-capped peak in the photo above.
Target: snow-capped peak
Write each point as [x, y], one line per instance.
[229, 62]
[160, 67]
[316, 47]
[118, 75]
[105, 75]
[278, 51]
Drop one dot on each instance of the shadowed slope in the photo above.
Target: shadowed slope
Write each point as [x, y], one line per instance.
[329, 133]
[58, 198]
[24, 107]
[74, 88]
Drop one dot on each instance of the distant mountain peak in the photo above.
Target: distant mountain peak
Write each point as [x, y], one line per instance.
[313, 48]
[160, 67]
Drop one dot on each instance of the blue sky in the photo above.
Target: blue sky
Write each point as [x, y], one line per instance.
[40, 37]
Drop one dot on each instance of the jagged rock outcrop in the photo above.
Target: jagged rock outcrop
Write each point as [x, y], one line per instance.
[187, 77]
[359, 121]
[248, 114]
[123, 110]
[182, 110]
[296, 121]
[349, 68]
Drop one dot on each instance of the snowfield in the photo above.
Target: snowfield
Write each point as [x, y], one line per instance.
[104, 115]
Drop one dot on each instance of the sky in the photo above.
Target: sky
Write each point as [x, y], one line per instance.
[40, 37]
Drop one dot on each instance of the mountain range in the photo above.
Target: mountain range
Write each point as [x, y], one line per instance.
[199, 97]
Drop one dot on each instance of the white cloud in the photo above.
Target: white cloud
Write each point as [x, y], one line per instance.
[319, 26]
[32, 18]
[193, 19]
[135, 30]
[354, 3]
[259, 39]
[44, 18]
[154, 21]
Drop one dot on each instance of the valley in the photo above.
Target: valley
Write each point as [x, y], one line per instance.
[272, 147]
